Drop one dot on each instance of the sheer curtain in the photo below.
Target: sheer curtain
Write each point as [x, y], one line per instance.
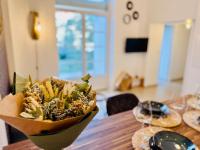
[4, 87]
[4, 77]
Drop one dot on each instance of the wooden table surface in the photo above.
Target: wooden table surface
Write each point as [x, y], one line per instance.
[114, 132]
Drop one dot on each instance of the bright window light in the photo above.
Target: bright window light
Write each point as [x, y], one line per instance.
[82, 49]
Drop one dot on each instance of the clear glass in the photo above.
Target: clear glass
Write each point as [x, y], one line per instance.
[146, 121]
[197, 92]
[96, 44]
[69, 43]
[179, 103]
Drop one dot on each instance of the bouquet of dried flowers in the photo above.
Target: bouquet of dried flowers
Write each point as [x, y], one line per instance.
[49, 105]
[54, 99]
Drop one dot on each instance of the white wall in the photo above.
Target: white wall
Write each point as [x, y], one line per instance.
[154, 11]
[179, 49]
[168, 11]
[132, 63]
[192, 71]
[21, 48]
[172, 10]
[152, 62]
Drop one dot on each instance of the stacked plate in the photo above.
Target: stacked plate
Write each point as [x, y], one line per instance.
[157, 138]
[155, 109]
[168, 140]
[157, 114]
[194, 102]
[192, 117]
[160, 138]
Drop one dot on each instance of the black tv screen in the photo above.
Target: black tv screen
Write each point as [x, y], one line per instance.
[136, 45]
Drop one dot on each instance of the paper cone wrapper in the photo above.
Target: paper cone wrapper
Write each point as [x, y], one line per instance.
[63, 138]
[12, 105]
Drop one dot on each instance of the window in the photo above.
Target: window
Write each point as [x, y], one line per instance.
[94, 4]
[95, 35]
[81, 41]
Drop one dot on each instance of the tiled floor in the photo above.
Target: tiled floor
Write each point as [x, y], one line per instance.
[157, 93]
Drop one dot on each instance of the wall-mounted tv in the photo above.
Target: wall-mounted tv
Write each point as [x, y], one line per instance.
[136, 45]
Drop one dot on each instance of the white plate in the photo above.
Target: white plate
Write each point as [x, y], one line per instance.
[190, 118]
[140, 139]
[173, 119]
[194, 102]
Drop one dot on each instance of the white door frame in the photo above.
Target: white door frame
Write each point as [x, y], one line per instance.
[153, 54]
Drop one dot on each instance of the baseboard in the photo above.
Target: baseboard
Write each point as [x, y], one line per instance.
[177, 79]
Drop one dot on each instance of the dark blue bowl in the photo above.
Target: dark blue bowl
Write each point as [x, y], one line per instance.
[167, 140]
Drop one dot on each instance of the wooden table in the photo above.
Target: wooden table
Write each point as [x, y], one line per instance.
[114, 132]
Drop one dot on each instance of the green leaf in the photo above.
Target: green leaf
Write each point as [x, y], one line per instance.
[86, 78]
[89, 89]
[66, 105]
[82, 87]
[75, 95]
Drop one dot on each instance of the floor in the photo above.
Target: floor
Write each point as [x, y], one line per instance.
[164, 91]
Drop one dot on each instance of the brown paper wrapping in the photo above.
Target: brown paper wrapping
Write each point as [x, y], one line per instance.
[123, 82]
[12, 105]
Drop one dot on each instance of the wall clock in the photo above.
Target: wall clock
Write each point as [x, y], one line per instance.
[129, 5]
[126, 18]
[136, 15]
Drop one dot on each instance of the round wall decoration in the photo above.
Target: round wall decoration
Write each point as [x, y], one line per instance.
[129, 5]
[127, 19]
[136, 15]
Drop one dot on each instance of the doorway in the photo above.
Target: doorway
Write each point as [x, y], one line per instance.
[167, 52]
[173, 53]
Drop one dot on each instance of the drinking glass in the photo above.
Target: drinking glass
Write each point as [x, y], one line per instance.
[147, 119]
[179, 103]
[197, 92]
